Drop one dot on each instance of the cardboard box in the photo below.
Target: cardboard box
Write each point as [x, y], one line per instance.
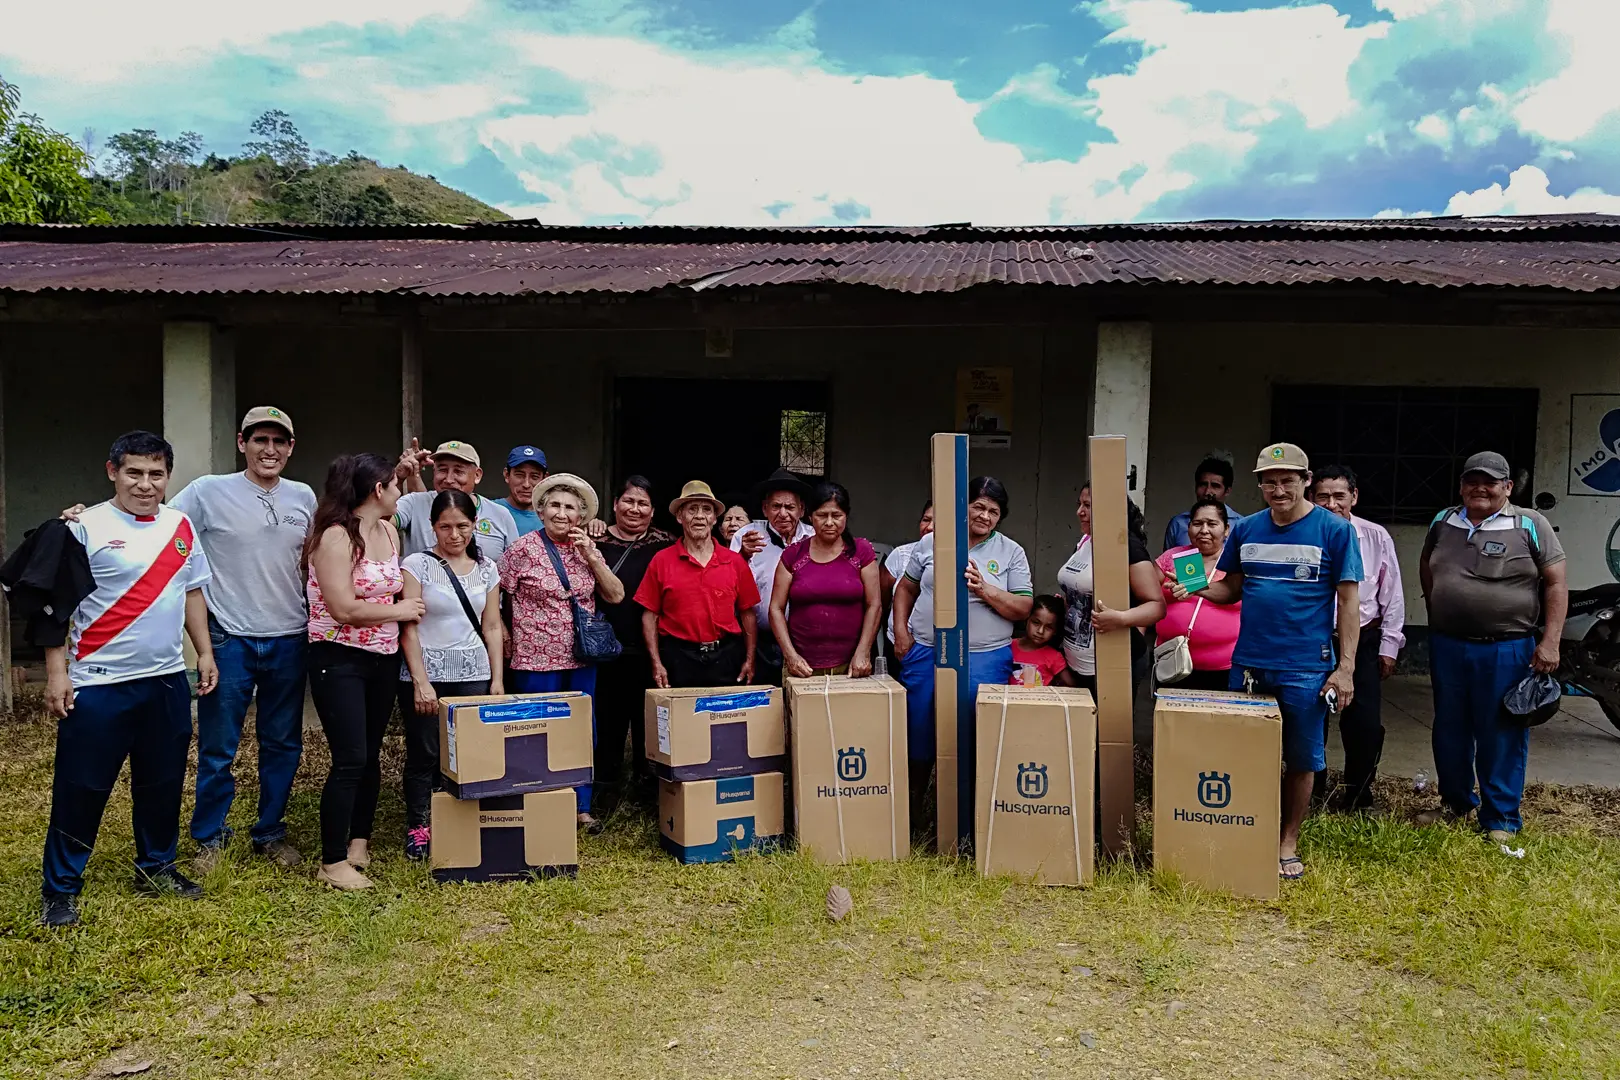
[1110, 562]
[492, 746]
[713, 732]
[504, 838]
[1037, 757]
[851, 790]
[953, 702]
[1217, 789]
[701, 821]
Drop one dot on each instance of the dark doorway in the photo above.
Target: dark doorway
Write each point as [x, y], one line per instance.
[731, 433]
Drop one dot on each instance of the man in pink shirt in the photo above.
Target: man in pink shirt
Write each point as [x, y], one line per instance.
[1383, 620]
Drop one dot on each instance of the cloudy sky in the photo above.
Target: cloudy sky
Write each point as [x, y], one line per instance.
[881, 111]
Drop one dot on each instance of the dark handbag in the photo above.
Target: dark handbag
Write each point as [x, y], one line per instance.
[594, 640]
[461, 594]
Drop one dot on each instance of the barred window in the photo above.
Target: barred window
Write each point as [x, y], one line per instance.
[1407, 444]
[804, 442]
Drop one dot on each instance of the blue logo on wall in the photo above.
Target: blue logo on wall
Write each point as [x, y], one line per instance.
[1214, 789]
[1601, 471]
[1032, 780]
[852, 764]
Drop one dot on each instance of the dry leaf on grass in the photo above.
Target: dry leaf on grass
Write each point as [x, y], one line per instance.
[839, 903]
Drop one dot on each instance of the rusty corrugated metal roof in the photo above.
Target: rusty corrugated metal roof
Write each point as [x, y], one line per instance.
[1578, 253]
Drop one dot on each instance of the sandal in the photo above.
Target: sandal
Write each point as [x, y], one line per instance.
[1287, 874]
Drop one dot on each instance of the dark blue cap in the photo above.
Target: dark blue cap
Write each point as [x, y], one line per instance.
[526, 455]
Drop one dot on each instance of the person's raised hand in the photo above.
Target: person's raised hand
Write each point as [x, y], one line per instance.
[583, 544]
[596, 528]
[72, 513]
[753, 542]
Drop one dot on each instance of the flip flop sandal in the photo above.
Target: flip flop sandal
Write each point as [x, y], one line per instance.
[1292, 861]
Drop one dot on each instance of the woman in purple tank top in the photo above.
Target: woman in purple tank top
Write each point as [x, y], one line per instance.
[826, 603]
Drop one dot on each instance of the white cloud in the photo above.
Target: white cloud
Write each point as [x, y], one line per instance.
[1570, 104]
[1528, 192]
[1435, 128]
[105, 40]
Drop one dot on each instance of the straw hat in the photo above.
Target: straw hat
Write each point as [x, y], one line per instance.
[587, 493]
[697, 491]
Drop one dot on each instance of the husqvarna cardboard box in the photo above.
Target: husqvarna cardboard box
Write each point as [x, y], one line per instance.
[1036, 762]
[713, 732]
[504, 838]
[1217, 789]
[851, 796]
[703, 821]
[517, 743]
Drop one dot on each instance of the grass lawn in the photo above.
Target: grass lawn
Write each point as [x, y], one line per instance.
[1404, 952]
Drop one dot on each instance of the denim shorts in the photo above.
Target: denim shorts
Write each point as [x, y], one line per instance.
[1304, 713]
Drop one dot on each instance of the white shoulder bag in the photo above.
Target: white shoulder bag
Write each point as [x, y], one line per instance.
[1172, 661]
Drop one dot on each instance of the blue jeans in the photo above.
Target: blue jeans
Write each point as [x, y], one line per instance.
[147, 721]
[1470, 734]
[1304, 713]
[916, 674]
[582, 679]
[275, 667]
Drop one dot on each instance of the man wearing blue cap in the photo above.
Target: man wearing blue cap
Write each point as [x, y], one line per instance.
[525, 468]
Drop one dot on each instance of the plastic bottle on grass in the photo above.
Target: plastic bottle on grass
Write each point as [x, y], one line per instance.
[1420, 782]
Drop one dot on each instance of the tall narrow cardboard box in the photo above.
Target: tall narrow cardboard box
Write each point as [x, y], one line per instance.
[1037, 755]
[850, 785]
[1217, 790]
[953, 696]
[1110, 561]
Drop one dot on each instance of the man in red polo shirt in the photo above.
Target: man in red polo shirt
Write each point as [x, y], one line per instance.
[700, 624]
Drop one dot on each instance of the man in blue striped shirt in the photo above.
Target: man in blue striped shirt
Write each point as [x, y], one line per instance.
[1288, 565]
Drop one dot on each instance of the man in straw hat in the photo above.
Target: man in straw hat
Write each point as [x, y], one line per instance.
[700, 624]
[781, 497]
[1289, 565]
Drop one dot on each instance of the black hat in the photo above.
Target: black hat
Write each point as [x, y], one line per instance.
[782, 480]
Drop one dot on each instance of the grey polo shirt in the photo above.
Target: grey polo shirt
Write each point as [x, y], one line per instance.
[495, 530]
[1486, 579]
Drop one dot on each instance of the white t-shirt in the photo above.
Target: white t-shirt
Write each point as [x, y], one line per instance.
[132, 625]
[496, 530]
[1079, 639]
[765, 561]
[1002, 563]
[895, 564]
[254, 541]
[452, 651]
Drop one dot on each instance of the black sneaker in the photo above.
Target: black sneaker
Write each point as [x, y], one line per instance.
[167, 882]
[417, 841]
[61, 910]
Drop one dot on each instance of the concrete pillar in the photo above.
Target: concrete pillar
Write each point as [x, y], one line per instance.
[1124, 382]
[6, 702]
[199, 400]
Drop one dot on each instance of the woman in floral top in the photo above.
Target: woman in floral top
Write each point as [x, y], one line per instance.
[542, 619]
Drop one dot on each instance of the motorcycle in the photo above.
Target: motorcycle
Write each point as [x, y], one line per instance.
[1589, 651]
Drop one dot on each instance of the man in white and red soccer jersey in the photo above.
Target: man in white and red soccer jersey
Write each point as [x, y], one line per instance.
[119, 684]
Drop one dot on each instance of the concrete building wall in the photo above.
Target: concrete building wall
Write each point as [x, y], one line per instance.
[891, 388]
[70, 390]
[1212, 391]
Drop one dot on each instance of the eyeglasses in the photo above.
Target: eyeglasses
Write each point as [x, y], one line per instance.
[1279, 485]
[268, 501]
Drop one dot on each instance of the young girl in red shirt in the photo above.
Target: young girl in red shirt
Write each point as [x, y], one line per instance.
[1037, 656]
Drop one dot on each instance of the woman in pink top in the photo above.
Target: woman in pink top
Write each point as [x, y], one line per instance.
[826, 601]
[354, 579]
[1213, 627]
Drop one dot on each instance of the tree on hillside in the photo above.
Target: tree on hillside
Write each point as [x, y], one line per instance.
[276, 138]
[42, 172]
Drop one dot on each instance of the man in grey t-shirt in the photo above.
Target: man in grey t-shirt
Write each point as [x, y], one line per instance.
[252, 526]
[1493, 581]
[455, 465]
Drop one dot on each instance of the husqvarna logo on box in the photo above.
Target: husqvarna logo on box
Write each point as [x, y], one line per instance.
[1214, 789]
[852, 764]
[1032, 780]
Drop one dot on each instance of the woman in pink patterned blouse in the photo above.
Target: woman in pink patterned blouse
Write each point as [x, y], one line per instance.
[542, 618]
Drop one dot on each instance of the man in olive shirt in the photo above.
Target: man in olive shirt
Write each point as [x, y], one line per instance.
[1491, 574]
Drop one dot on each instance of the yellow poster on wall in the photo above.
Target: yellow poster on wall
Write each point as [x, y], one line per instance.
[984, 399]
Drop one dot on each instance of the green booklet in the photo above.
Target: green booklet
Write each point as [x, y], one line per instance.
[1190, 571]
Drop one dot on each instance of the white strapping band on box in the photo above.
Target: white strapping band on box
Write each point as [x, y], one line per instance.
[838, 799]
[995, 779]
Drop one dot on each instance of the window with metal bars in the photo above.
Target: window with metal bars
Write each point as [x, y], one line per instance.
[1407, 444]
[804, 442]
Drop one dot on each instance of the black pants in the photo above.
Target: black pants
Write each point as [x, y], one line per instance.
[688, 665]
[621, 693]
[145, 720]
[1205, 680]
[1361, 726]
[422, 776]
[354, 696]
